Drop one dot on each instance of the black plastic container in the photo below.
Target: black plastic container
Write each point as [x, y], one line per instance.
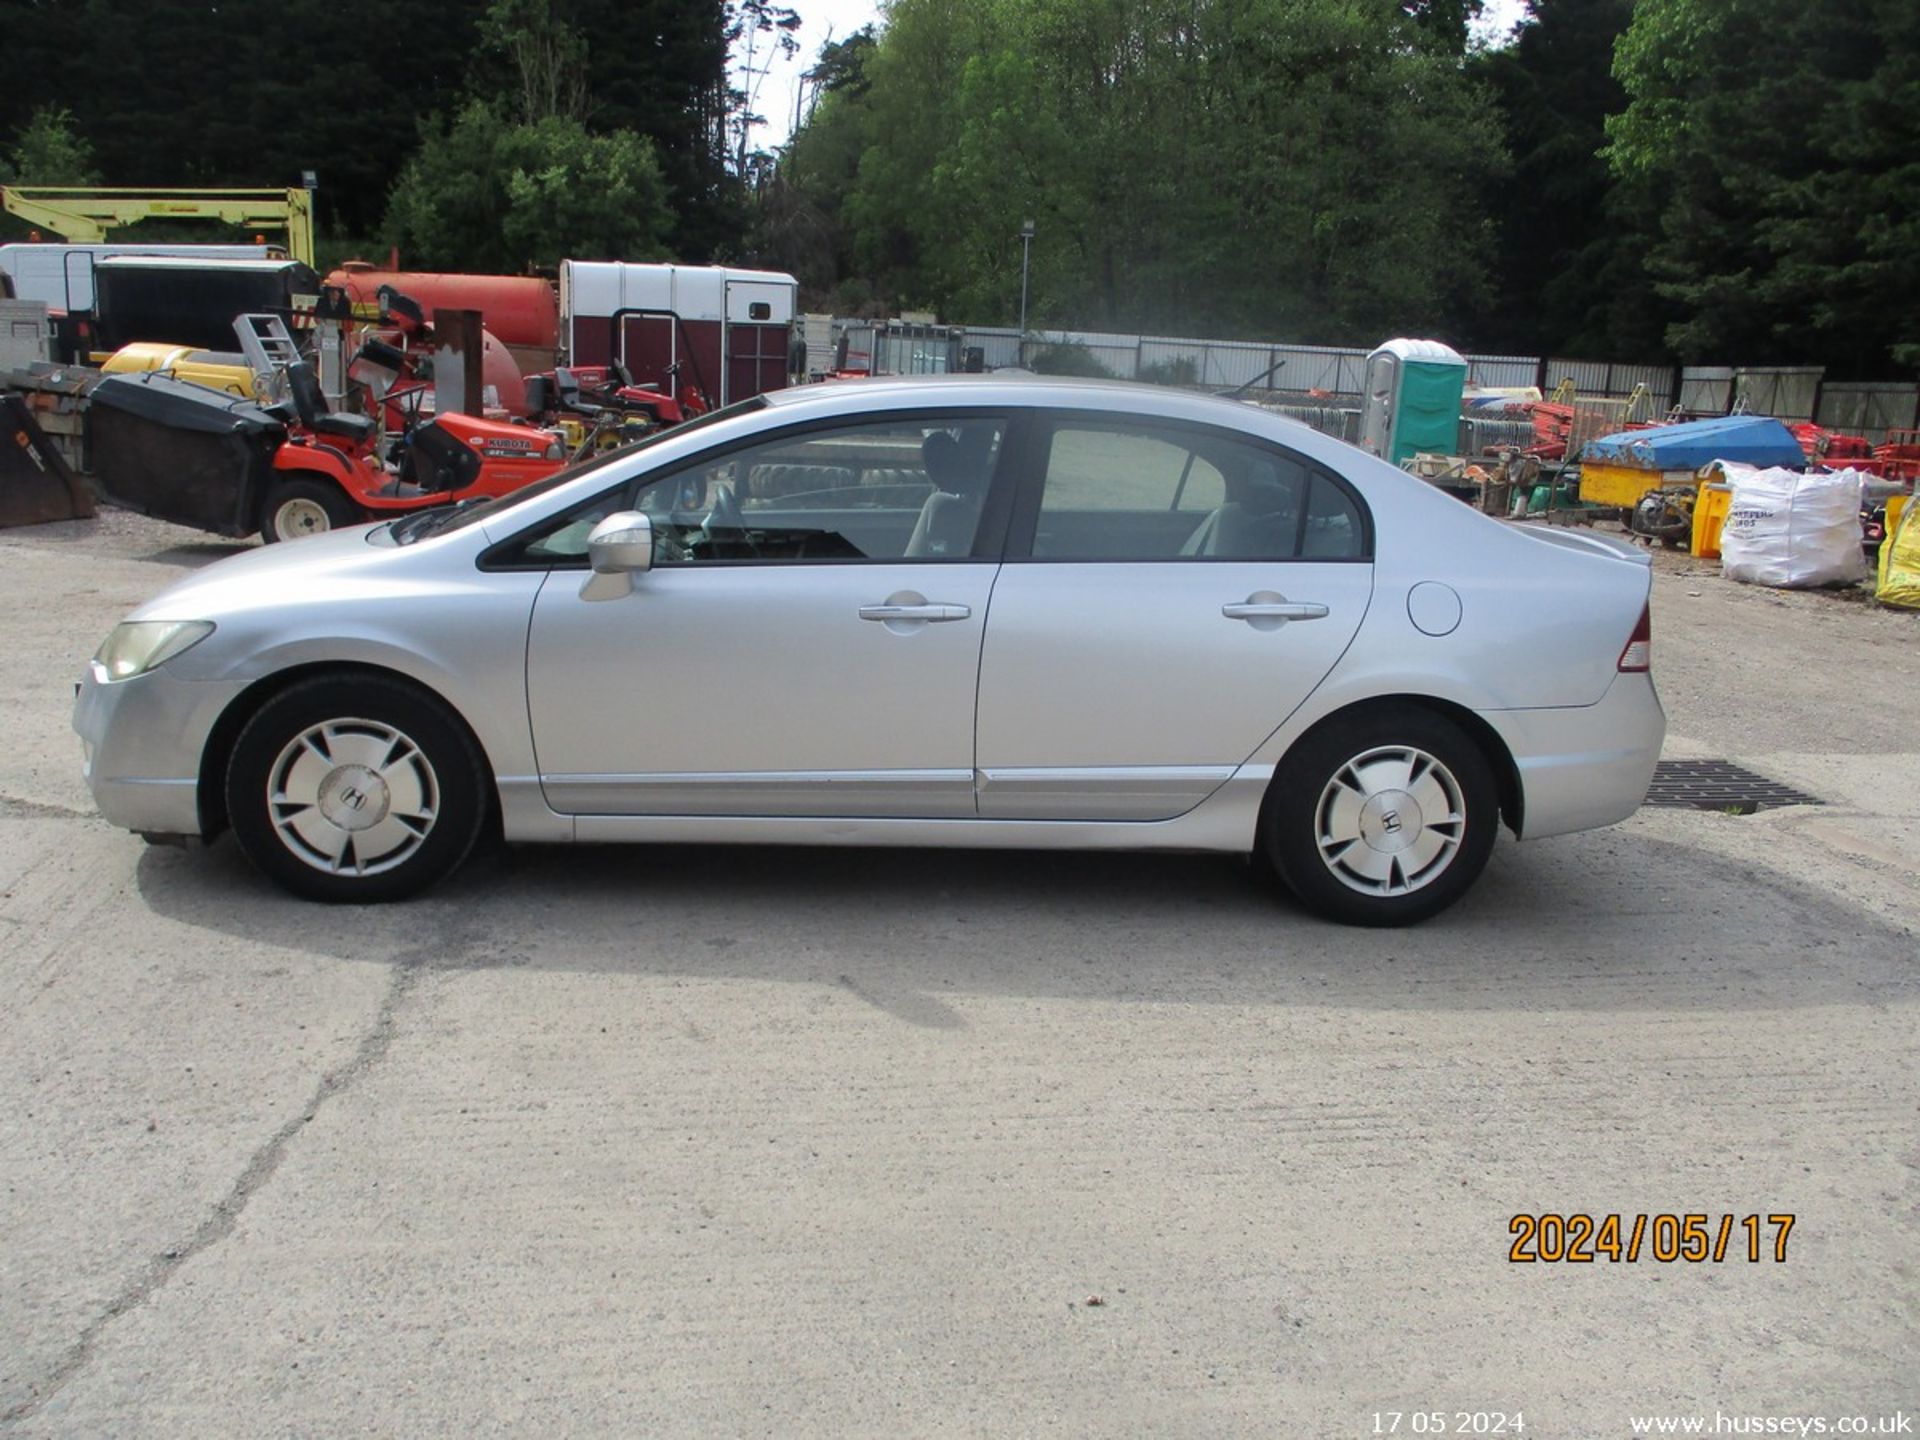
[181, 452]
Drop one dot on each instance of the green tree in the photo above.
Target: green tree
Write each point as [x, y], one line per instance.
[1300, 167]
[1783, 143]
[50, 151]
[1572, 238]
[486, 194]
[548, 55]
[185, 92]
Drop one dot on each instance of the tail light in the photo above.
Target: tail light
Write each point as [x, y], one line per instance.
[1636, 657]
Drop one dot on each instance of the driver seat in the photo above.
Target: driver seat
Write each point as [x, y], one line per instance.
[951, 513]
[311, 406]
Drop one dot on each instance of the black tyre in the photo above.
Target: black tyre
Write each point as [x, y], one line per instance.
[351, 788]
[296, 508]
[1384, 820]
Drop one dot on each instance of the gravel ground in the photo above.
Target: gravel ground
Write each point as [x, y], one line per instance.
[828, 1143]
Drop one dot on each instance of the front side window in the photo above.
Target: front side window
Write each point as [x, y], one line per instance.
[1123, 491]
[885, 490]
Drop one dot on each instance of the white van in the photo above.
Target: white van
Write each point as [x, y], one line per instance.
[62, 275]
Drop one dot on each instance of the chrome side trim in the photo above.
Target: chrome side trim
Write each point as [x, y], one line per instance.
[1119, 792]
[1224, 824]
[804, 793]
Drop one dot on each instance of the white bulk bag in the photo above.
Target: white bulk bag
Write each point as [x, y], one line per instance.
[1792, 529]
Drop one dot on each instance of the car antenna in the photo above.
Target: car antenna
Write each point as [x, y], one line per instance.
[1240, 390]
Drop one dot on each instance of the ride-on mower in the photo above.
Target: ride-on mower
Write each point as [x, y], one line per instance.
[600, 406]
[185, 453]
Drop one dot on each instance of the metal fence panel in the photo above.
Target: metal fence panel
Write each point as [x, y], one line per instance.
[1786, 391]
[1118, 355]
[1659, 380]
[1868, 408]
[1706, 389]
[999, 345]
[1334, 370]
[1607, 379]
[1589, 377]
[1173, 362]
[1500, 372]
[1230, 364]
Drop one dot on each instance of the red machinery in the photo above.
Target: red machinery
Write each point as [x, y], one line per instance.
[182, 452]
[1899, 458]
[591, 391]
[521, 310]
[329, 473]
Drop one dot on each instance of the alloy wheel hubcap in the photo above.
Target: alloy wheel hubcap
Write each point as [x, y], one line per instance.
[352, 797]
[1390, 821]
[301, 517]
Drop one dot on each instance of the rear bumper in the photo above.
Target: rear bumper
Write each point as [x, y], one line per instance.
[141, 743]
[1585, 766]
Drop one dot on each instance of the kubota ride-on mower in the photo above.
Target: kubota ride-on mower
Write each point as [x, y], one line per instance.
[329, 472]
[184, 453]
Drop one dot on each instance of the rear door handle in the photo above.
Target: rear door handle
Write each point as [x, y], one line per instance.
[1259, 607]
[933, 612]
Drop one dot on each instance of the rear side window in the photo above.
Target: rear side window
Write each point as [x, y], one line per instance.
[1123, 491]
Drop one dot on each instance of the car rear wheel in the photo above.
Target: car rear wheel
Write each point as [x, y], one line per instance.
[1385, 820]
[295, 508]
[355, 789]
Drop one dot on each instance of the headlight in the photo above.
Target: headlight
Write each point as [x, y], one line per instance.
[136, 646]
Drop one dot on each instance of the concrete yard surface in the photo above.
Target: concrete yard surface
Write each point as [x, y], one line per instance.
[707, 1142]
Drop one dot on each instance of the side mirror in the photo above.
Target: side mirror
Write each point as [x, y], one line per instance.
[618, 548]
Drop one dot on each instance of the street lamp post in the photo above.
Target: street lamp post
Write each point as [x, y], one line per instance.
[1026, 250]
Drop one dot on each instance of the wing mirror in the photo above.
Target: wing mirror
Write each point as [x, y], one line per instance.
[618, 548]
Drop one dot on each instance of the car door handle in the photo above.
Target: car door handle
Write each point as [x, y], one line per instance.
[933, 612]
[1252, 609]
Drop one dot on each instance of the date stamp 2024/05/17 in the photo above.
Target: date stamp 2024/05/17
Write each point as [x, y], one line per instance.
[1581, 1239]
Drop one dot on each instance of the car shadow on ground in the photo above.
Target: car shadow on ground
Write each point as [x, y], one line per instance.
[194, 554]
[1608, 921]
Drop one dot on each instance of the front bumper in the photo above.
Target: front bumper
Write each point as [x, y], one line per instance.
[141, 743]
[1586, 766]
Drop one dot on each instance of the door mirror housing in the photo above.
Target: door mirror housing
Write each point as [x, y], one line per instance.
[618, 548]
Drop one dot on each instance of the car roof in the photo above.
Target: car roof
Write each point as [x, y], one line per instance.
[1004, 388]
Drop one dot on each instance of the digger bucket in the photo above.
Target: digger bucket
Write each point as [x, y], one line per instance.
[35, 484]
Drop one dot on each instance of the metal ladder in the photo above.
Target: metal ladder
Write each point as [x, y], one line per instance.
[267, 344]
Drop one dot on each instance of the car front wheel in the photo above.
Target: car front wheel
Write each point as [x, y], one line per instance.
[1385, 820]
[355, 789]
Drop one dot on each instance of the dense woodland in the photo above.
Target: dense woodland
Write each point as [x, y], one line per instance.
[1702, 180]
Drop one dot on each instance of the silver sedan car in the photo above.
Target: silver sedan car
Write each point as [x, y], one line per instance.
[949, 612]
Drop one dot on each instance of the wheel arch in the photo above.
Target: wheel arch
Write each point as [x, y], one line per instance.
[210, 786]
[1500, 761]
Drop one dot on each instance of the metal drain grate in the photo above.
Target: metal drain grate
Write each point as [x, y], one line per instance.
[1719, 785]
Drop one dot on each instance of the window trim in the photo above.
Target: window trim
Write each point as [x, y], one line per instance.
[989, 540]
[1036, 430]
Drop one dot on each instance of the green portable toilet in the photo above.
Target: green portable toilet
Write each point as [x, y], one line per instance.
[1412, 402]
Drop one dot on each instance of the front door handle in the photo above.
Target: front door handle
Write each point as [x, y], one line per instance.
[932, 612]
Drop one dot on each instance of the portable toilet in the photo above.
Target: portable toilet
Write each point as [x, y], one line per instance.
[1412, 404]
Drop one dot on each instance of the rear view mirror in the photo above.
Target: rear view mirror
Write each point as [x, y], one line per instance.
[618, 548]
